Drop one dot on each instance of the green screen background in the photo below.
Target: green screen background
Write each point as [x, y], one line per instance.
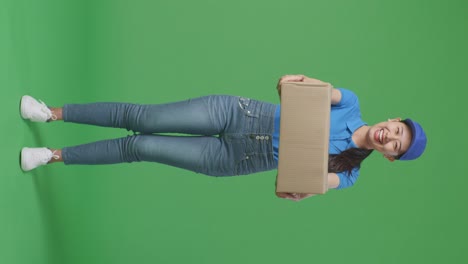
[402, 58]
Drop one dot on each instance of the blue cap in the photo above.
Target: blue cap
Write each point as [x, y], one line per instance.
[418, 141]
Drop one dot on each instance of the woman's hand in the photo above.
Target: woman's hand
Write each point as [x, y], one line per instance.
[289, 78]
[296, 78]
[293, 196]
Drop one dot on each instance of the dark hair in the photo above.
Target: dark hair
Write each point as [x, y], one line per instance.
[347, 160]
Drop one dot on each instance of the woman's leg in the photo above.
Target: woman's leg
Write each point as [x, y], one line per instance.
[57, 113]
[208, 115]
[202, 154]
[244, 148]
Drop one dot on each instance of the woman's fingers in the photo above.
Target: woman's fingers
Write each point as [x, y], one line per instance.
[282, 195]
[290, 196]
[312, 80]
[289, 78]
[292, 78]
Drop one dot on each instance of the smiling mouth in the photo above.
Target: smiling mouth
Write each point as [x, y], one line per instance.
[378, 136]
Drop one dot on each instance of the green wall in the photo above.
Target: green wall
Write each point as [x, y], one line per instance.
[403, 58]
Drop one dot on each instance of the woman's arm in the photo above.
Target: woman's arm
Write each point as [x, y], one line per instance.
[333, 182]
[335, 96]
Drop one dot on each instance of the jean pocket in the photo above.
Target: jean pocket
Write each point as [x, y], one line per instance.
[246, 105]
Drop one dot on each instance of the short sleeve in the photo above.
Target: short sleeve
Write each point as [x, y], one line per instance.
[348, 98]
[348, 180]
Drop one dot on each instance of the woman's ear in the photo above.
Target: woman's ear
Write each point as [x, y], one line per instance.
[397, 119]
[390, 158]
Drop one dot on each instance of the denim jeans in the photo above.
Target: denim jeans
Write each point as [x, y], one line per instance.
[229, 135]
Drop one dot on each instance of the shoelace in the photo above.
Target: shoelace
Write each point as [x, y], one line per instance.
[54, 156]
[50, 156]
[47, 111]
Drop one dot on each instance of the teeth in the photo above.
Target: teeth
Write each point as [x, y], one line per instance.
[380, 136]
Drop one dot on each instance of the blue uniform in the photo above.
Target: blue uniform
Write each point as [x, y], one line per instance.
[345, 118]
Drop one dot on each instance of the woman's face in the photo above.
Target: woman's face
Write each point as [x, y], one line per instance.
[392, 138]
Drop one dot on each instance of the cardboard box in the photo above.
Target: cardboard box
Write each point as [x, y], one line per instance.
[304, 138]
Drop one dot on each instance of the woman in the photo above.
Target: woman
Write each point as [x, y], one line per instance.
[229, 135]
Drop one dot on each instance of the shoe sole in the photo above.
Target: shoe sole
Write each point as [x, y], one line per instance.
[23, 106]
[22, 159]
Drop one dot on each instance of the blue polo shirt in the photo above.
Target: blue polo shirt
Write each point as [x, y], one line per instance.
[345, 118]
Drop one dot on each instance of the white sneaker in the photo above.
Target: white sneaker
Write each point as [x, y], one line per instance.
[35, 111]
[32, 158]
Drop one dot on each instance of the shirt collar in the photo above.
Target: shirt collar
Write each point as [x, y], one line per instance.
[354, 124]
